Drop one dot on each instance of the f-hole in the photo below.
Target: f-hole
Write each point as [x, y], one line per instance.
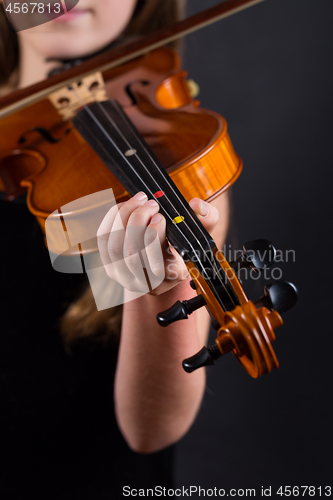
[129, 92]
[43, 132]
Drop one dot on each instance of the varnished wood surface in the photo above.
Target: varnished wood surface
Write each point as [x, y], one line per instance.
[192, 144]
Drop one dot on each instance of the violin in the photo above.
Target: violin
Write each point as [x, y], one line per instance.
[65, 139]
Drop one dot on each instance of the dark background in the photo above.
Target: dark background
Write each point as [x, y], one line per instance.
[268, 71]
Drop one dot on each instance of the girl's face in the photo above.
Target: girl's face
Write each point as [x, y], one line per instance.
[90, 26]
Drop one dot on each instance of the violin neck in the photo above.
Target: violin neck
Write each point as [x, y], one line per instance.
[108, 130]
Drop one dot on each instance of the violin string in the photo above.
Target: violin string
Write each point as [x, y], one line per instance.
[147, 187]
[213, 263]
[131, 167]
[88, 110]
[150, 174]
[117, 107]
[148, 190]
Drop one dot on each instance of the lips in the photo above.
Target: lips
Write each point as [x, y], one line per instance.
[71, 15]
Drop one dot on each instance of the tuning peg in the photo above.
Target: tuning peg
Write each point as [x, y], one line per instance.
[205, 357]
[180, 310]
[279, 296]
[193, 285]
[257, 254]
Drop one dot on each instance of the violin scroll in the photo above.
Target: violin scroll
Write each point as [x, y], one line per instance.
[248, 332]
[245, 328]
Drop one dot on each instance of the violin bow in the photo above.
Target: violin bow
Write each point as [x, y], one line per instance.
[120, 55]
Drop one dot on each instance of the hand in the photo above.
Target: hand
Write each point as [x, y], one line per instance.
[133, 245]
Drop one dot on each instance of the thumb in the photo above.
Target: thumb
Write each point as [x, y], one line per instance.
[206, 213]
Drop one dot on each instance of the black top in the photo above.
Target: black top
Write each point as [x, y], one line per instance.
[58, 437]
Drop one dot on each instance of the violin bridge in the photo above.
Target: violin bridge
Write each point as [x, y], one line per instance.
[68, 100]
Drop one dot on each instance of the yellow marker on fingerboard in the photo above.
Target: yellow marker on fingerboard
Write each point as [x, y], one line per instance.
[178, 219]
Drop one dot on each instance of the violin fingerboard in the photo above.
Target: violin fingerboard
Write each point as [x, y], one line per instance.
[111, 134]
[107, 129]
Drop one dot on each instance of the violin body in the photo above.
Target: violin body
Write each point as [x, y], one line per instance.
[54, 164]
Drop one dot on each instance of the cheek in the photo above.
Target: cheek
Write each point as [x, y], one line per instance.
[107, 22]
[111, 17]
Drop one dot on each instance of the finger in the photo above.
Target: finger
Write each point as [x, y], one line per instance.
[115, 220]
[207, 213]
[106, 224]
[125, 245]
[134, 245]
[104, 231]
[125, 211]
[168, 264]
[156, 246]
[134, 275]
[136, 227]
[117, 266]
[137, 266]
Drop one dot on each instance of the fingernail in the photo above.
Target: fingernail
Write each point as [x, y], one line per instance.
[203, 209]
[151, 203]
[140, 196]
[156, 219]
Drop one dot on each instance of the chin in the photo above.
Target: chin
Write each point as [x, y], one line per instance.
[68, 47]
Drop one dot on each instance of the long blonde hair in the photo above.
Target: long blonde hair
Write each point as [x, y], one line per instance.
[82, 319]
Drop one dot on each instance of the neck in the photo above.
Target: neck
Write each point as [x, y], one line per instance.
[34, 67]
